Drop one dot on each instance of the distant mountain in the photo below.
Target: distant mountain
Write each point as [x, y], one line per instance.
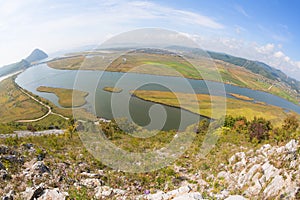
[35, 56]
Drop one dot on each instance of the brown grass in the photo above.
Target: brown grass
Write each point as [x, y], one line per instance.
[15, 105]
[203, 105]
[66, 96]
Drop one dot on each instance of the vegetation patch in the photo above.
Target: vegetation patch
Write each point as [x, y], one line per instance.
[15, 105]
[203, 105]
[113, 89]
[241, 97]
[66, 96]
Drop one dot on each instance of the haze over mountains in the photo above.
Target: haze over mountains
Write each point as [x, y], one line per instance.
[253, 66]
[35, 56]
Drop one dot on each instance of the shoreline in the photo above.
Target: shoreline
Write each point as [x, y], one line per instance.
[232, 84]
[171, 106]
[2, 78]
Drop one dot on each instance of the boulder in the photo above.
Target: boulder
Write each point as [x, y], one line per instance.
[33, 193]
[53, 194]
[40, 167]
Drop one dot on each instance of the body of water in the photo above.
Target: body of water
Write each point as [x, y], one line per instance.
[114, 105]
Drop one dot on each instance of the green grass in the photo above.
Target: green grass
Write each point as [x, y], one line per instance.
[66, 96]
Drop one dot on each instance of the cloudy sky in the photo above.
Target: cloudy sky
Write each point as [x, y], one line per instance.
[261, 30]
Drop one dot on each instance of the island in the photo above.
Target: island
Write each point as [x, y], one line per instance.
[112, 89]
[202, 104]
[65, 96]
[241, 97]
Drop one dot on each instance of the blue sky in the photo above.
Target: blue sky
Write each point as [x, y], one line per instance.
[261, 30]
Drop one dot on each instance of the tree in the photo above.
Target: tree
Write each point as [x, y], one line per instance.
[259, 129]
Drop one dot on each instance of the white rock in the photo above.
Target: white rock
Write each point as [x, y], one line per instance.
[53, 194]
[246, 178]
[189, 196]
[103, 191]
[291, 146]
[119, 192]
[157, 196]
[225, 175]
[184, 189]
[235, 197]
[274, 187]
[91, 182]
[270, 170]
[254, 190]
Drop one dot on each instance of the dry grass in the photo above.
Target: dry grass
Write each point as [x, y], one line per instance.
[112, 89]
[15, 105]
[66, 96]
[203, 105]
[241, 97]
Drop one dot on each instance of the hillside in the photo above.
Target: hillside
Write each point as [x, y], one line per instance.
[35, 56]
[258, 68]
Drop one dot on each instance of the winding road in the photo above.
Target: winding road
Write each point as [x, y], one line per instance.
[43, 104]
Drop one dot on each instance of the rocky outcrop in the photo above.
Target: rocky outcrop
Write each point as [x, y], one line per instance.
[269, 172]
[187, 192]
[40, 193]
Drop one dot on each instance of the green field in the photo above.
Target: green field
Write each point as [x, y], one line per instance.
[65, 96]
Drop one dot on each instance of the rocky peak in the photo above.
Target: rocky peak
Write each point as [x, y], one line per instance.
[36, 55]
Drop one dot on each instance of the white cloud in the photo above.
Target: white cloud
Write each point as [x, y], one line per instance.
[266, 49]
[54, 25]
[279, 54]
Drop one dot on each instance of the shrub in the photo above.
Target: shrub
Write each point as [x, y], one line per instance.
[202, 126]
[259, 129]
